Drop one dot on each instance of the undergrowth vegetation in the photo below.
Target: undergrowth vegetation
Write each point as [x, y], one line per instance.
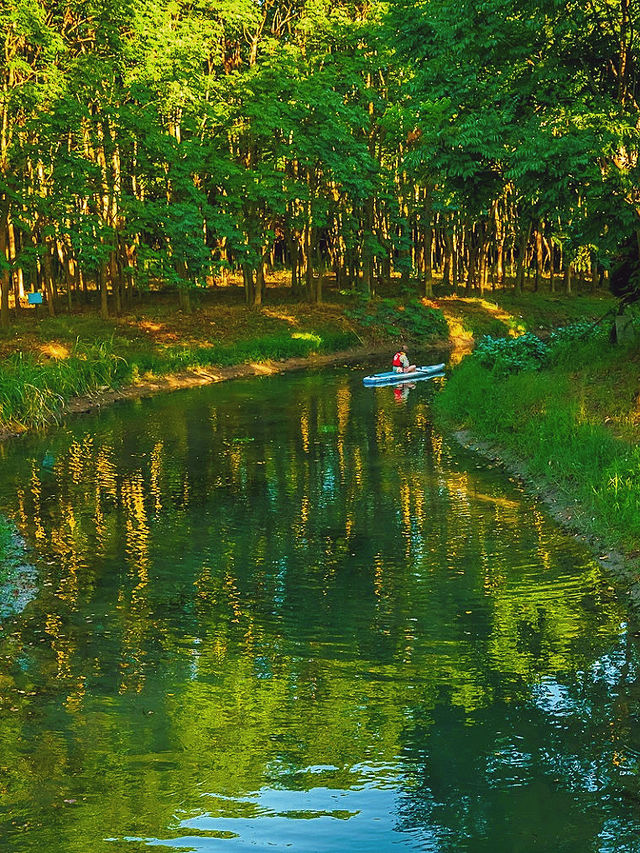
[390, 318]
[32, 391]
[530, 352]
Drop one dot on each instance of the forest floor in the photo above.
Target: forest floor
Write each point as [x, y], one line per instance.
[154, 323]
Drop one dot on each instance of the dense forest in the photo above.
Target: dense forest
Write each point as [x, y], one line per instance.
[169, 143]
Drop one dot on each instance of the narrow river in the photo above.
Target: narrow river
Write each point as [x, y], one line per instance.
[286, 613]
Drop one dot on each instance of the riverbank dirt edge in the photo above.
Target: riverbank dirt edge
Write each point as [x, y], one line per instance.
[624, 568]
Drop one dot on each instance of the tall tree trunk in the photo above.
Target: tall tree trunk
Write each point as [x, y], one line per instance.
[184, 290]
[500, 237]
[322, 271]
[67, 266]
[18, 275]
[595, 273]
[484, 267]
[427, 245]
[308, 256]
[473, 260]
[386, 242]
[294, 260]
[567, 276]
[48, 279]
[259, 288]
[101, 282]
[367, 252]
[448, 255]
[247, 277]
[404, 252]
[455, 261]
[115, 279]
[126, 258]
[539, 258]
[4, 273]
[525, 233]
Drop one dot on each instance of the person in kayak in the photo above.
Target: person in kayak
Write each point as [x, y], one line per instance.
[401, 361]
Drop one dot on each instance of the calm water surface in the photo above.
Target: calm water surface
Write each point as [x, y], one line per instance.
[284, 613]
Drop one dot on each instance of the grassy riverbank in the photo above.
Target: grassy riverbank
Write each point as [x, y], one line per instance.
[570, 425]
[45, 362]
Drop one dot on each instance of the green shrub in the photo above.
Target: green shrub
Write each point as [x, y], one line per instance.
[529, 352]
[511, 355]
[581, 339]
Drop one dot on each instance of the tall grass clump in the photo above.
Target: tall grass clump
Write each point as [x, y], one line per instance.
[298, 345]
[32, 392]
[543, 416]
[267, 347]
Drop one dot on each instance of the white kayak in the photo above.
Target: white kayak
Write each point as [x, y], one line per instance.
[392, 378]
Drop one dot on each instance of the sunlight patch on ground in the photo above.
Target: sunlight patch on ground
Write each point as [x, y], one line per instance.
[280, 315]
[263, 368]
[53, 350]
[148, 326]
[461, 338]
[457, 310]
[209, 374]
[307, 336]
[516, 328]
[157, 331]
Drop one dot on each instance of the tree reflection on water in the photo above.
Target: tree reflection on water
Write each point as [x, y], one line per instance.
[247, 582]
